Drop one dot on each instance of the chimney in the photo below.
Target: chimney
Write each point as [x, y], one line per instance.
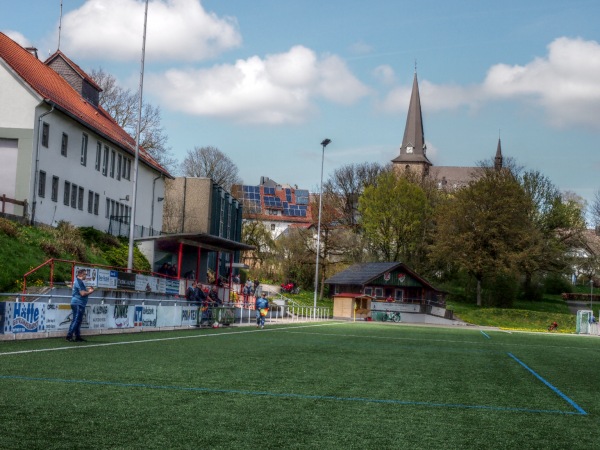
[33, 51]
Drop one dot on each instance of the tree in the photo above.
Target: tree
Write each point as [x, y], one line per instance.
[485, 228]
[212, 163]
[347, 184]
[558, 223]
[255, 233]
[394, 213]
[122, 105]
[595, 209]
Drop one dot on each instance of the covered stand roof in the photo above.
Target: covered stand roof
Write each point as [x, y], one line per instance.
[170, 242]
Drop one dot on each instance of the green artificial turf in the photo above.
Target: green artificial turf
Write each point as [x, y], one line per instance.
[322, 385]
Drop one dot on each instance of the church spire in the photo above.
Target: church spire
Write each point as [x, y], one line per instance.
[498, 159]
[413, 149]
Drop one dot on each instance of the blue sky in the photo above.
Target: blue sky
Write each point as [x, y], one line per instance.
[266, 81]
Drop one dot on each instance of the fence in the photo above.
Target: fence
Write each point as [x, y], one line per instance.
[4, 199]
[50, 314]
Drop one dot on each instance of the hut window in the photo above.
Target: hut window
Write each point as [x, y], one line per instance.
[368, 291]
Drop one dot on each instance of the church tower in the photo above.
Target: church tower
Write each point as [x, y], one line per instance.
[413, 150]
[498, 159]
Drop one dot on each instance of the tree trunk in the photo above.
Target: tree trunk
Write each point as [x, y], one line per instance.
[478, 291]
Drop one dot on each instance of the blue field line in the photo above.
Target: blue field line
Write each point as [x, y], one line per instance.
[287, 395]
[556, 391]
[485, 334]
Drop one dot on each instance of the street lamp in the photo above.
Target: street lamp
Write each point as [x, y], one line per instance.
[324, 144]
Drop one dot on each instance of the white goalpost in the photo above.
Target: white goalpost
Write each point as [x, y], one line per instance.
[586, 322]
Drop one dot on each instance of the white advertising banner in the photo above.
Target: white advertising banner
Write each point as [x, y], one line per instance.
[121, 317]
[189, 315]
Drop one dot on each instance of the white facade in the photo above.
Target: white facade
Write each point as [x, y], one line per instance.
[60, 176]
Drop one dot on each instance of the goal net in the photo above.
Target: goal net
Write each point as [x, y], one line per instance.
[586, 322]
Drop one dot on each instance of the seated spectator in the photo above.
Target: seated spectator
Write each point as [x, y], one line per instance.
[164, 269]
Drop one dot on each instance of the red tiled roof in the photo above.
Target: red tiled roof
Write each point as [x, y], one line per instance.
[54, 89]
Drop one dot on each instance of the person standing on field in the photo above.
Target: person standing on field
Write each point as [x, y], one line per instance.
[262, 306]
[79, 299]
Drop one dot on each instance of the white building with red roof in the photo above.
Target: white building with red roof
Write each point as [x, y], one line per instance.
[63, 153]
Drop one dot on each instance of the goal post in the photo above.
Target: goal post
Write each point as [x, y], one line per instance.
[586, 322]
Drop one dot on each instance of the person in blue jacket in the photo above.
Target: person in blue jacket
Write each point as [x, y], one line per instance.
[79, 298]
[261, 304]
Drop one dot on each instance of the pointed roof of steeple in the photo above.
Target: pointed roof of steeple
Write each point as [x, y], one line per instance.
[498, 159]
[413, 147]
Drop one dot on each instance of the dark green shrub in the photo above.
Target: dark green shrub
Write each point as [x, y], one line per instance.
[557, 284]
[501, 291]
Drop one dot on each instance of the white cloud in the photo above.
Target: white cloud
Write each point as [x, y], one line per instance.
[361, 48]
[177, 30]
[280, 88]
[385, 75]
[18, 38]
[564, 85]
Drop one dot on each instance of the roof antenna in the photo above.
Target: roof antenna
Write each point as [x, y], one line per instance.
[59, 25]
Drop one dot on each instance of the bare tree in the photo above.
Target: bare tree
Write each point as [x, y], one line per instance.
[212, 163]
[595, 209]
[347, 184]
[122, 105]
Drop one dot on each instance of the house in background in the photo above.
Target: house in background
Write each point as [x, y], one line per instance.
[380, 286]
[278, 206]
[64, 154]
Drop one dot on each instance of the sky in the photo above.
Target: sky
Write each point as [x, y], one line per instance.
[266, 81]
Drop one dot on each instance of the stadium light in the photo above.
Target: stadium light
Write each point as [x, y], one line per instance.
[324, 144]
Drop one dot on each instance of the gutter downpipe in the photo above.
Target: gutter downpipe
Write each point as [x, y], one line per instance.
[37, 163]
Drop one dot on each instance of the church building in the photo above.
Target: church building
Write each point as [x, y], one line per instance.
[413, 151]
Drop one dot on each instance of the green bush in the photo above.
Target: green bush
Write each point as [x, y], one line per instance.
[557, 284]
[501, 291]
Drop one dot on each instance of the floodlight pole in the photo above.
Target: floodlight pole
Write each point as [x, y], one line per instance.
[137, 150]
[324, 144]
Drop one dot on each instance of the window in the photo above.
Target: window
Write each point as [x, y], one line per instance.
[368, 291]
[112, 208]
[98, 156]
[80, 195]
[73, 196]
[54, 189]
[42, 184]
[127, 175]
[67, 193]
[119, 159]
[45, 134]
[107, 214]
[399, 294]
[272, 227]
[112, 164]
[96, 203]
[124, 168]
[64, 144]
[84, 145]
[105, 161]
[379, 292]
[90, 201]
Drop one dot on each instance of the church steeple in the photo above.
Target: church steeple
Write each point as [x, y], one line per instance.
[413, 149]
[498, 158]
